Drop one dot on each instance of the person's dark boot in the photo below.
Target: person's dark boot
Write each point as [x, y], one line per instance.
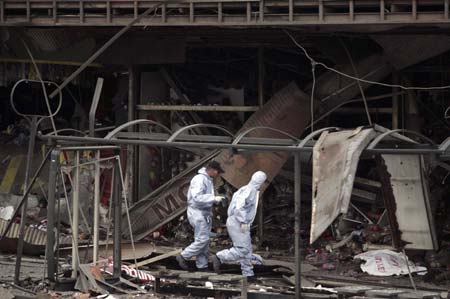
[203, 270]
[182, 263]
[252, 279]
[216, 263]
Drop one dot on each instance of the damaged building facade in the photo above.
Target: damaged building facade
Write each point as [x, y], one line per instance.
[109, 108]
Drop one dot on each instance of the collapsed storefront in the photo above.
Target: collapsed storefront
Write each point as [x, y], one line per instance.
[311, 108]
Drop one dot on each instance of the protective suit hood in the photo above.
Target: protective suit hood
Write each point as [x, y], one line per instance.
[203, 171]
[258, 178]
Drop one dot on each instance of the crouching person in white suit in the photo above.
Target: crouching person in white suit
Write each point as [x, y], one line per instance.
[241, 213]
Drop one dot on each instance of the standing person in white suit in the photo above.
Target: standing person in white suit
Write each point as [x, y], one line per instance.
[200, 199]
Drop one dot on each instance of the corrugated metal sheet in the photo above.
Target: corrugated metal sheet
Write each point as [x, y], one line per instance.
[33, 236]
[335, 159]
[288, 110]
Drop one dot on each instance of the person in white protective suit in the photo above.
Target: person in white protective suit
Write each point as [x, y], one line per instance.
[241, 213]
[200, 199]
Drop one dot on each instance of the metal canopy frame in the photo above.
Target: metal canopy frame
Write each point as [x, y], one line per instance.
[240, 142]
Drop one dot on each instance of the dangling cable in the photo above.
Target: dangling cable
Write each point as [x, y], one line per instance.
[366, 106]
[360, 79]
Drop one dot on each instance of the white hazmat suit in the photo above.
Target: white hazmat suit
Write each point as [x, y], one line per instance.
[200, 199]
[241, 213]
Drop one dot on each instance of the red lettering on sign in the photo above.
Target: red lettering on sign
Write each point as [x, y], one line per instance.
[171, 205]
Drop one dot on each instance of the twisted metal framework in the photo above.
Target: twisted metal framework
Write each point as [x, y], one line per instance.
[242, 142]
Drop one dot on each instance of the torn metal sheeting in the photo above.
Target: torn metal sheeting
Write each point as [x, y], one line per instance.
[288, 110]
[140, 251]
[407, 186]
[335, 159]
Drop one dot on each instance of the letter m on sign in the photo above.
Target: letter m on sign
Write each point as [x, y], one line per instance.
[165, 207]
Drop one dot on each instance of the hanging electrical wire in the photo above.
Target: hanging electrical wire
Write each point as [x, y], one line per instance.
[360, 79]
[366, 106]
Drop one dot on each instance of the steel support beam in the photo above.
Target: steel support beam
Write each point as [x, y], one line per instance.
[196, 108]
[251, 147]
[33, 129]
[297, 213]
[117, 210]
[51, 211]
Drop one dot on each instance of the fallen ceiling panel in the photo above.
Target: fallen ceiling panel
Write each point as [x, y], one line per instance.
[406, 191]
[288, 110]
[335, 159]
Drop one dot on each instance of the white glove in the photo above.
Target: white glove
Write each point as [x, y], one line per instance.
[244, 227]
[218, 199]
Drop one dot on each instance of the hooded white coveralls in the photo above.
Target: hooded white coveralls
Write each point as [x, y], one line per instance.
[242, 210]
[200, 199]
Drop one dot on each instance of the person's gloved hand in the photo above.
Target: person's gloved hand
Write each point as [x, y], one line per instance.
[218, 199]
[244, 227]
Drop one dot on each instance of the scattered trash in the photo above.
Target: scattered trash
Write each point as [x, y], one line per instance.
[6, 213]
[387, 263]
[209, 285]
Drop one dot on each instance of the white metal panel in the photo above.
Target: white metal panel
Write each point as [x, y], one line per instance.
[410, 193]
[335, 159]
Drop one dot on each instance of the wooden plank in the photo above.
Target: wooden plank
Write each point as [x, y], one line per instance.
[108, 11]
[81, 12]
[135, 8]
[351, 8]
[261, 10]
[446, 9]
[382, 15]
[321, 11]
[2, 11]
[219, 12]
[414, 9]
[191, 12]
[55, 12]
[164, 13]
[249, 12]
[291, 10]
[157, 258]
[28, 11]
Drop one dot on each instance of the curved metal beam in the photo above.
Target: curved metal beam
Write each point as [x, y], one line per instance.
[11, 99]
[242, 135]
[445, 145]
[135, 122]
[181, 130]
[314, 134]
[65, 130]
[377, 140]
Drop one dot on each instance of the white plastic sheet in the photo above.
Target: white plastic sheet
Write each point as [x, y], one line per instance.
[387, 263]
